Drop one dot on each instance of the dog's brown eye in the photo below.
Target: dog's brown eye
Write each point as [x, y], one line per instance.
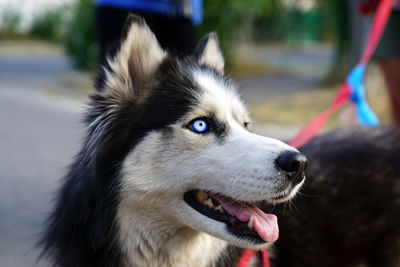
[246, 124]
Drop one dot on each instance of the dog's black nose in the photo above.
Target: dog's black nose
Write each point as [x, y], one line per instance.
[294, 164]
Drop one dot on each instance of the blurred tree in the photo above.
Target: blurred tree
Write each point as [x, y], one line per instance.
[235, 19]
[225, 17]
[337, 27]
[80, 38]
[50, 25]
[9, 23]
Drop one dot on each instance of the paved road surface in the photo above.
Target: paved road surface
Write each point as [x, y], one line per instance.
[38, 136]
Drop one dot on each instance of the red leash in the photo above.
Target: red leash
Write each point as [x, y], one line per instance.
[246, 257]
[316, 125]
[248, 254]
[313, 128]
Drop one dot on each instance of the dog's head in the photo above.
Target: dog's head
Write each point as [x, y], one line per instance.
[179, 132]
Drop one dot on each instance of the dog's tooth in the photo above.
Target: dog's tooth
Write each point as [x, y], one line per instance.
[201, 195]
[209, 203]
[250, 224]
[219, 208]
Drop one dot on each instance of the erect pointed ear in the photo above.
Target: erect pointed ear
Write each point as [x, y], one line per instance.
[130, 70]
[209, 53]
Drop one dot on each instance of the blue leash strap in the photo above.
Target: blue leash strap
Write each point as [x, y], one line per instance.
[365, 115]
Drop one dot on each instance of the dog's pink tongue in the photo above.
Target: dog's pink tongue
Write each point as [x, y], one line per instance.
[266, 225]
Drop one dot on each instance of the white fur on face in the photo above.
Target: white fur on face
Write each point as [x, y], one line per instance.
[165, 165]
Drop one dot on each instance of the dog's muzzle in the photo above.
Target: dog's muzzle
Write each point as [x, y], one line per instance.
[293, 164]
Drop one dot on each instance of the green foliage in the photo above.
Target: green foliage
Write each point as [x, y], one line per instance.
[233, 20]
[73, 26]
[270, 20]
[9, 23]
[226, 17]
[222, 16]
[230, 18]
[50, 25]
[80, 40]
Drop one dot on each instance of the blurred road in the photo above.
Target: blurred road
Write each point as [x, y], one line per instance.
[38, 136]
[40, 133]
[295, 70]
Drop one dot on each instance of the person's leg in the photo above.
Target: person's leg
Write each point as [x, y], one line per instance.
[391, 70]
[183, 38]
[177, 35]
[109, 24]
[388, 55]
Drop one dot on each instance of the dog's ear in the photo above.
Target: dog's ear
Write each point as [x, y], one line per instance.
[209, 53]
[128, 73]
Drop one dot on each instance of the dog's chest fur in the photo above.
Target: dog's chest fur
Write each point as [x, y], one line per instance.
[151, 241]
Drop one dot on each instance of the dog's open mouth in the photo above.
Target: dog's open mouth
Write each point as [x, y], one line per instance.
[243, 219]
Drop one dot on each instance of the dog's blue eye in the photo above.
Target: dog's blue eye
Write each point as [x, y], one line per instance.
[199, 126]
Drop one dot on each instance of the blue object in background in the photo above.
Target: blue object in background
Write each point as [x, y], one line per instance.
[365, 115]
[175, 8]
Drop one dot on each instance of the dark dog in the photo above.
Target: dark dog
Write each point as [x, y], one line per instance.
[349, 212]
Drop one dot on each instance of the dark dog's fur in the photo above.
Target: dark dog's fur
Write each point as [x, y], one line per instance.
[349, 212]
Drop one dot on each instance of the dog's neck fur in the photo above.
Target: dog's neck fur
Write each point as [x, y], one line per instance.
[148, 239]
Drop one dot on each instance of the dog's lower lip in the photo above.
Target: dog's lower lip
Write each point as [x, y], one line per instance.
[243, 219]
[279, 197]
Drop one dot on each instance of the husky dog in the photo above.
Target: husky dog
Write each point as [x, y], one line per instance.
[349, 211]
[169, 174]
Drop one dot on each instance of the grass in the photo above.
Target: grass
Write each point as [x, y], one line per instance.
[242, 69]
[28, 47]
[298, 109]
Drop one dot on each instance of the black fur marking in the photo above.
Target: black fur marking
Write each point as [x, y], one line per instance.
[218, 127]
[100, 80]
[81, 229]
